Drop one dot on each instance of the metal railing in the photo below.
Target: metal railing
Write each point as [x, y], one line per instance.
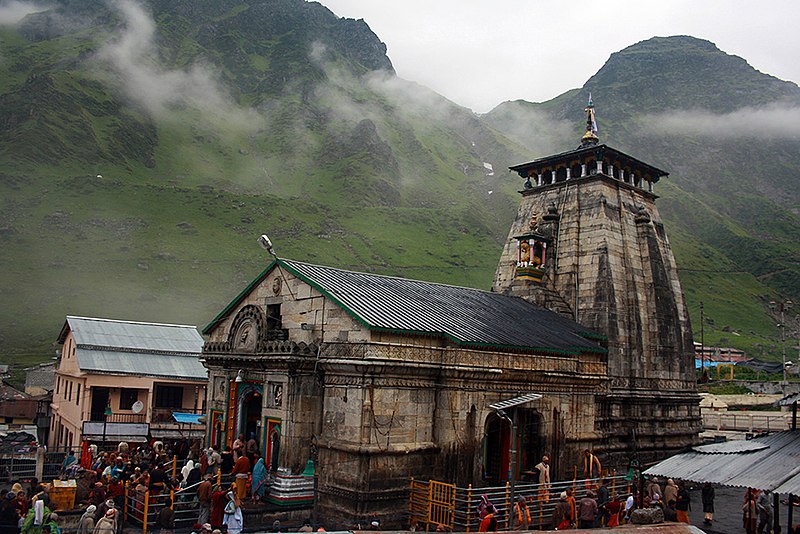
[431, 503]
[748, 421]
[142, 508]
[99, 417]
[15, 467]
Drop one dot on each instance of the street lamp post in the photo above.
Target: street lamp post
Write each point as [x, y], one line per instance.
[105, 422]
[782, 307]
[702, 342]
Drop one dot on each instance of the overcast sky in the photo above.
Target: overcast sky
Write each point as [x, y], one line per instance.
[479, 53]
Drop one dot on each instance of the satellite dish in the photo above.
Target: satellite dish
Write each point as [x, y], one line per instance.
[137, 406]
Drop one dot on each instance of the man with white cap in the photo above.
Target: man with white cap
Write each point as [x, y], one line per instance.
[543, 468]
[86, 523]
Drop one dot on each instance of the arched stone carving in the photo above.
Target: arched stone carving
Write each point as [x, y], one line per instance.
[247, 329]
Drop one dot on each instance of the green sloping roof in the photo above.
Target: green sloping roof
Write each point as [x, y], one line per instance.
[466, 316]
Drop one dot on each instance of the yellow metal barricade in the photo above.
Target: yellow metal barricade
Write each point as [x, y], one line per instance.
[441, 504]
[418, 503]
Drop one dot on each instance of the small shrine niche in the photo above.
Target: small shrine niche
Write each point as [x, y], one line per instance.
[532, 247]
[531, 257]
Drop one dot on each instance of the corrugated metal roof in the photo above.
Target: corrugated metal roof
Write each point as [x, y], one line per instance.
[465, 315]
[732, 447]
[174, 366]
[516, 401]
[790, 486]
[156, 337]
[774, 467]
[788, 400]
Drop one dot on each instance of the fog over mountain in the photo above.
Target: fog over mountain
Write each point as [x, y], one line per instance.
[146, 145]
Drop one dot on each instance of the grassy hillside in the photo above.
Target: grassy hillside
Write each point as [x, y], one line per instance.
[142, 152]
[135, 181]
[731, 201]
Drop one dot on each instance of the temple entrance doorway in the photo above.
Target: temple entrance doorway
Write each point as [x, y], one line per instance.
[248, 410]
[529, 443]
[496, 441]
[251, 415]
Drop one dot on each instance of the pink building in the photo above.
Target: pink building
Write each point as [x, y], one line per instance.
[125, 381]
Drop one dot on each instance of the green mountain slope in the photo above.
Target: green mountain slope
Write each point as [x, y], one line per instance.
[732, 200]
[144, 147]
[143, 150]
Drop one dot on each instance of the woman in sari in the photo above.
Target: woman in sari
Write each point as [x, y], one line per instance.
[185, 470]
[233, 513]
[259, 480]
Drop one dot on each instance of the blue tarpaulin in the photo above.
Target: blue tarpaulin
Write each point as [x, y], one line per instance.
[189, 418]
[699, 363]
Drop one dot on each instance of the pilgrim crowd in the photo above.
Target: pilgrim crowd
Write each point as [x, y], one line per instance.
[148, 473]
[599, 509]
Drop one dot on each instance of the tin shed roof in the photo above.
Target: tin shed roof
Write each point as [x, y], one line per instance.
[766, 463]
[466, 316]
[108, 346]
[111, 333]
[173, 366]
[788, 400]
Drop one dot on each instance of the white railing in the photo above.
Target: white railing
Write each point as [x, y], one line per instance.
[748, 421]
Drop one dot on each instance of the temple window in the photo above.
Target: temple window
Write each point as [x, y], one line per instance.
[275, 330]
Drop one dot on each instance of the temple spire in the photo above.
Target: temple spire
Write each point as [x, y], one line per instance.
[590, 137]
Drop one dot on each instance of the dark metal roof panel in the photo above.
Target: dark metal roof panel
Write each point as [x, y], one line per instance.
[465, 315]
[769, 468]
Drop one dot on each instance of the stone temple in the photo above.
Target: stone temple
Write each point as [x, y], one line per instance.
[584, 342]
[588, 242]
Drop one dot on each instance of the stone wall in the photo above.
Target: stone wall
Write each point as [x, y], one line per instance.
[611, 264]
[374, 410]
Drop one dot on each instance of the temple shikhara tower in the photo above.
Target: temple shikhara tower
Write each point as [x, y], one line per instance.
[588, 243]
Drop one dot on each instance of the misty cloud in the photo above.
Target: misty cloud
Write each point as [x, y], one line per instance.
[341, 85]
[158, 90]
[13, 11]
[769, 122]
